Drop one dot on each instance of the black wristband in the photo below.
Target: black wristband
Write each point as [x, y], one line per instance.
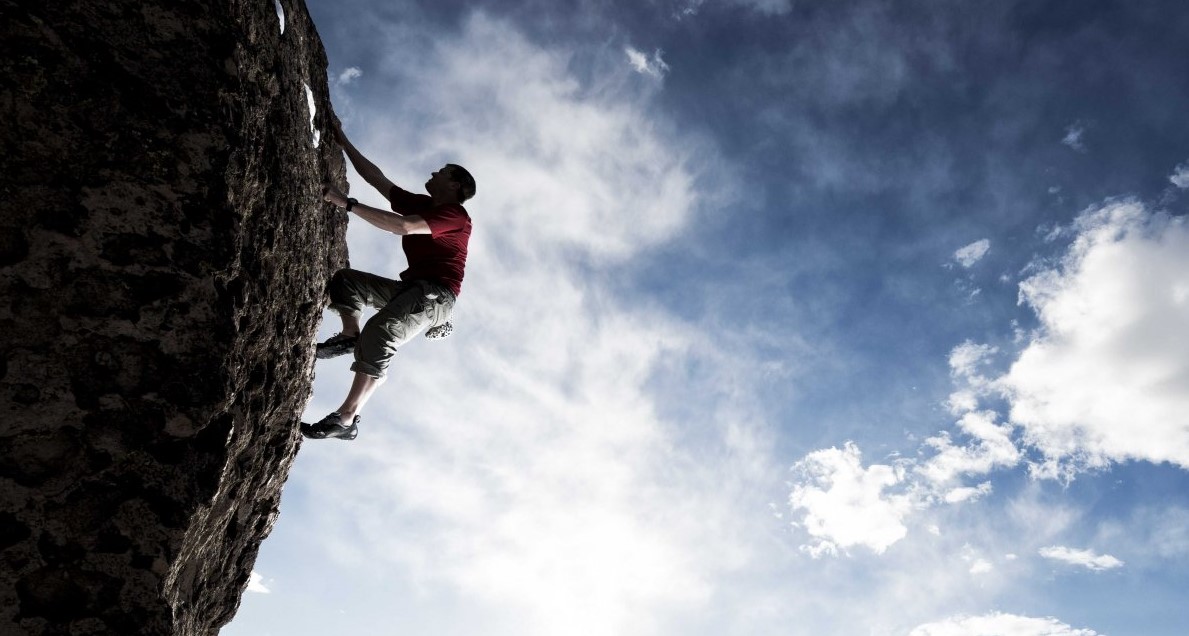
[350, 204]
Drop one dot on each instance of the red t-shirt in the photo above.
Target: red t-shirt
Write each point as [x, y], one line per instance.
[440, 256]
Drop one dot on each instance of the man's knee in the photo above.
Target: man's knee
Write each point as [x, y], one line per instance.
[344, 294]
[339, 279]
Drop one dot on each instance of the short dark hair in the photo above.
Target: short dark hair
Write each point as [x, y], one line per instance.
[466, 183]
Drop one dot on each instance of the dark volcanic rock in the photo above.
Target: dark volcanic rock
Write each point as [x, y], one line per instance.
[163, 259]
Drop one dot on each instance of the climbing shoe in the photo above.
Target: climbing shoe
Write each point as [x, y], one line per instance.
[331, 426]
[441, 331]
[336, 346]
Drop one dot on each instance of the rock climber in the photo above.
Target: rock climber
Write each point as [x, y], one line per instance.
[434, 231]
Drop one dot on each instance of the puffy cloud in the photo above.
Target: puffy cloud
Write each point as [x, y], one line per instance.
[841, 504]
[654, 66]
[1085, 558]
[973, 253]
[256, 583]
[999, 624]
[1180, 177]
[1106, 377]
[845, 504]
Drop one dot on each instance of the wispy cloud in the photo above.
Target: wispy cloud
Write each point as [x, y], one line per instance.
[524, 460]
[349, 75]
[1073, 137]
[647, 65]
[970, 254]
[999, 623]
[688, 8]
[1085, 558]
[1153, 534]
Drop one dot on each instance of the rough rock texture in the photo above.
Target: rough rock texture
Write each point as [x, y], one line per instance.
[163, 259]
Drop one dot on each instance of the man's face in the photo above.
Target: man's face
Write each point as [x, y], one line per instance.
[439, 181]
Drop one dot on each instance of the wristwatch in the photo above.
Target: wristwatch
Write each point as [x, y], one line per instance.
[350, 204]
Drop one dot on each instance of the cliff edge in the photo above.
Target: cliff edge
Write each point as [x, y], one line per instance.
[163, 260]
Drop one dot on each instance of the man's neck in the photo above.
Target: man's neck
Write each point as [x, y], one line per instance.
[449, 199]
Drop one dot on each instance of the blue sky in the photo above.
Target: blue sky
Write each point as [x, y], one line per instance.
[780, 318]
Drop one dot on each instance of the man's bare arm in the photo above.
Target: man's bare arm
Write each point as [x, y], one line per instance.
[366, 169]
[401, 224]
[391, 221]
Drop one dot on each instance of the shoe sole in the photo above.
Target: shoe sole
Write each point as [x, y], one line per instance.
[326, 355]
[346, 437]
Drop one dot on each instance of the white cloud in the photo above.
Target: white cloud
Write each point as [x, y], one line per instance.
[349, 75]
[999, 624]
[1180, 177]
[1073, 137]
[991, 445]
[256, 583]
[841, 504]
[981, 566]
[967, 493]
[965, 360]
[569, 162]
[1107, 376]
[845, 504]
[973, 253]
[643, 64]
[1084, 558]
[991, 448]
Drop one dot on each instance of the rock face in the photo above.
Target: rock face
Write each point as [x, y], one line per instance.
[163, 259]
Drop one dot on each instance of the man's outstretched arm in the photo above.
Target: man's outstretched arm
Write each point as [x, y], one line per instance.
[366, 169]
[388, 221]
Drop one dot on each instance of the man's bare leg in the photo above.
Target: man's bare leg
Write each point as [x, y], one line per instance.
[361, 391]
[350, 324]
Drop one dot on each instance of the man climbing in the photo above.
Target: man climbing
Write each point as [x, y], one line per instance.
[434, 232]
